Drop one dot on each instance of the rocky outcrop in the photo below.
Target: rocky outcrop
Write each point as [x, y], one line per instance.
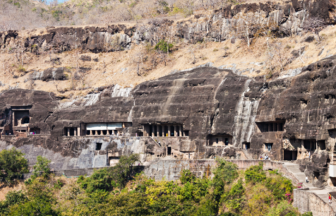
[49, 74]
[233, 21]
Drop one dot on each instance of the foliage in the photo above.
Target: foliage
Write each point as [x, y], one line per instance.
[163, 46]
[12, 198]
[187, 176]
[41, 168]
[235, 198]
[120, 190]
[13, 166]
[39, 202]
[107, 179]
[21, 68]
[283, 208]
[255, 173]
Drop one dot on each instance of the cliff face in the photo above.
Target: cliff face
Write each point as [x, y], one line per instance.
[200, 113]
[231, 22]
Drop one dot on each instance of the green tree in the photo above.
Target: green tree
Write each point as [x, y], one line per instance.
[40, 200]
[255, 174]
[12, 198]
[13, 165]
[187, 176]
[41, 168]
[107, 179]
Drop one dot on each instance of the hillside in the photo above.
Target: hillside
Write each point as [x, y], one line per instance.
[276, 44]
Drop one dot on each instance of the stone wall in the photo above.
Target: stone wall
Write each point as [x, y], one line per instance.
[171, 169]
[307, 201]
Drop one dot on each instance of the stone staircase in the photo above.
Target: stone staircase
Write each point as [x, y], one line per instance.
[301, 177]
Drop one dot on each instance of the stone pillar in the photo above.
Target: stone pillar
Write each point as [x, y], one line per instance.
[152, 126]
[68, 131]
[175, 131]
[90, 132]
[158, 130]
[75, 132]
[168, 130]
[108, 132]
[78, 131]
[13, 122]
[180, 130]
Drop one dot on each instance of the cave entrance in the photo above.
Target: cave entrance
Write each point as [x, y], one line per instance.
[333, 181]
[166, 130]
[172, 131]
[290, 155]
[169, 150]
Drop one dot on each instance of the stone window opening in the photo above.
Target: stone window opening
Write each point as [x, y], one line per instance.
[316, 174]
[247, 145]
[25, 120]
[269, 146]
[104, 132]
[186, 133]
[98, 146]
[169, 151]
[88, 133]
[218, 140]
[321, 144]
[309, 145]
[110, 132]
[34, 131]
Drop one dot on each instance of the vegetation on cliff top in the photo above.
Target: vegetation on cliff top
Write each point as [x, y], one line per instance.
[120, 190]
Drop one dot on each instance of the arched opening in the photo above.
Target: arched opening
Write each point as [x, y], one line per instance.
[25, 120]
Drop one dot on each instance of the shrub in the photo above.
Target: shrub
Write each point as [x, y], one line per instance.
[12, 198]
[107, 179]
[21, 68]
[235, 197]
[215, 50]
[163, 46]
[187, 176]
[41, 168]
[13, 165]
[283, 208]
[255, 174]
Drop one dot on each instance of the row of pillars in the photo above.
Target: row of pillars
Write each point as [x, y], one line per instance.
[104, 132]
[76, 131]
[160, 131]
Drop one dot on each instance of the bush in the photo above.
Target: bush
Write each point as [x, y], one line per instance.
[255, 174]
[187, 176]
[13, 166]
[41, 168]
[21, 68]
[107, 179]
[283, 208]
[12, 198]
[163, 46]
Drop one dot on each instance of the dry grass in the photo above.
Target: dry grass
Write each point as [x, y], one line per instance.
[115, 71]
[4, 191]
